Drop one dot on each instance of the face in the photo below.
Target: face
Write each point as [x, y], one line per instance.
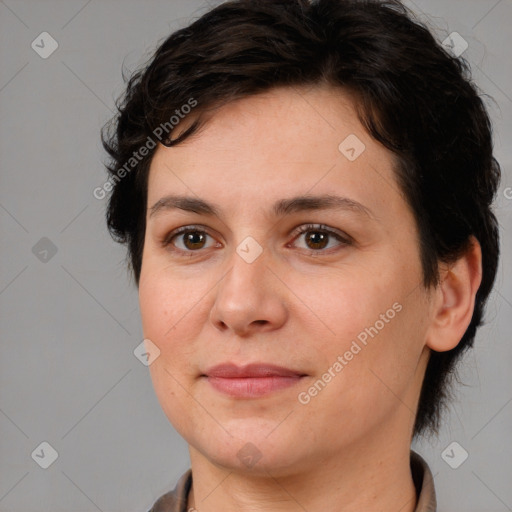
[305, 257]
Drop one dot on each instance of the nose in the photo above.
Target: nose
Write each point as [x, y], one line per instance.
[250, 298]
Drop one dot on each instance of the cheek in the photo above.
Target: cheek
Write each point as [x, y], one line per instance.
[169, 313]
[348, 305]
[167, 303]
[365, 321]
[169, 309]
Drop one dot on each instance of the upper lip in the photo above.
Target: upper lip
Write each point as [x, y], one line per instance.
[232, 371]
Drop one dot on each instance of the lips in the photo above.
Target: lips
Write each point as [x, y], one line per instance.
[254, 370]
[252, 380]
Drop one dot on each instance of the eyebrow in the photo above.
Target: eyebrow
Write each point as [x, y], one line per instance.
[280, 208]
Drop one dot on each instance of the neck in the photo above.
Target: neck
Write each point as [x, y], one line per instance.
[360, 478]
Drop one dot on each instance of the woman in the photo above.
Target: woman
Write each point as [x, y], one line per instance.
[305, 190]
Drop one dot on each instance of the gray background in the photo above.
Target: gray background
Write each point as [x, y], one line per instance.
[70, 324]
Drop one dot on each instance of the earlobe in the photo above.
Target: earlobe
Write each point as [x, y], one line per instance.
[455, 302]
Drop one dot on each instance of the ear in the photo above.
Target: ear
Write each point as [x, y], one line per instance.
[454, 300]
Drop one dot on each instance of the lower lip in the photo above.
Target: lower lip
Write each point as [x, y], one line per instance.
[252, 387]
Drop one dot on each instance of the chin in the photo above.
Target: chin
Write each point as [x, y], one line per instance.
[255, 452]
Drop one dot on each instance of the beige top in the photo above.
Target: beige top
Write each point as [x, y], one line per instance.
[177, 499]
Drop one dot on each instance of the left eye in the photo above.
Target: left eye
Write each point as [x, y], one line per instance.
[318, 238]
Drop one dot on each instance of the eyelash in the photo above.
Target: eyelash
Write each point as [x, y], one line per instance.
[344, 240]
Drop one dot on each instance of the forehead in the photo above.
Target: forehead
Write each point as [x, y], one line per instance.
[284, 142]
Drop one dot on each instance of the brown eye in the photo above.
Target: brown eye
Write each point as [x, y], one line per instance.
[188, 240]
[193, 240]
[318, 237]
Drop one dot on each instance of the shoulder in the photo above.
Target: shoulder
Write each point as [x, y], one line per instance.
[424, 482]
[175, 500]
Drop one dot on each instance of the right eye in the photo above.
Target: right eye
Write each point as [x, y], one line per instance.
[187, 239]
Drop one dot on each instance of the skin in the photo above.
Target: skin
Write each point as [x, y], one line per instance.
[296, 305]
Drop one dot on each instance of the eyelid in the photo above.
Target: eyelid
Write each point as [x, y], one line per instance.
[167, 239]
[340, 235]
